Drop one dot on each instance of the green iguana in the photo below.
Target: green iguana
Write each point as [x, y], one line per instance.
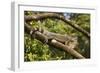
[70, 41]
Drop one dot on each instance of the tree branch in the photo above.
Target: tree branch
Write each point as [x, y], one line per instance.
[52, 42]
[57, 16]
[66, 48]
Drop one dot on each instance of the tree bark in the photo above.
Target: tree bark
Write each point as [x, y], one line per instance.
[66, 48]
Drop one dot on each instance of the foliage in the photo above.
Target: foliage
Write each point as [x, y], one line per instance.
[34, 50]
[83, 20]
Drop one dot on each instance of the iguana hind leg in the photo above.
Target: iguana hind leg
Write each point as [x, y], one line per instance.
[72, 44]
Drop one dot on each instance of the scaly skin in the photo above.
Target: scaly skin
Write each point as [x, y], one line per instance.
[70, 41]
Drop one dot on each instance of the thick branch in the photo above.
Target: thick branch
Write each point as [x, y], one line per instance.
[57, 16]
[56, 44]
[66, 48]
